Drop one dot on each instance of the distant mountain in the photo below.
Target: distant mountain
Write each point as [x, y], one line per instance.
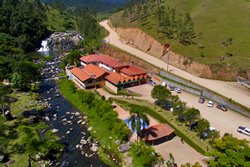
[97, 5]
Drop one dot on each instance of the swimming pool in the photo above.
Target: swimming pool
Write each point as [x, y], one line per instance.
[128, 122]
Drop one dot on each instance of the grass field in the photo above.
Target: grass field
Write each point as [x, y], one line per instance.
[216, 21]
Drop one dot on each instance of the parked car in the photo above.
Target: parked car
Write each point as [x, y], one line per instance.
[221, 107]
[164, 84]
[152, 83]
[178, 90]
[243, 130]
[167, 106]
[210, 104]
[212, 128]
[164, 105]
[202, 100]
[171, 88]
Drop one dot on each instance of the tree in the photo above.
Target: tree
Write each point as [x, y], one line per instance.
[230, 151]
[203, 125]
[18, 81]
[73, 58]
[186, 32]
[191, 114]
[138, 120]
[144, 155]
[4, 91]
[160, 93]
[24, 21]
[191, 165]
[24, 74]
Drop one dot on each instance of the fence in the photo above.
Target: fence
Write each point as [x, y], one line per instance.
[201, 91]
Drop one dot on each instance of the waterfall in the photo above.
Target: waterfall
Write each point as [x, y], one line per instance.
[45, 47]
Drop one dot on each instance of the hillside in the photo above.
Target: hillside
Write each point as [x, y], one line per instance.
[222, 30]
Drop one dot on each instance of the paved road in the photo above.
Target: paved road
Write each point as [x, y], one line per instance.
[229, 89]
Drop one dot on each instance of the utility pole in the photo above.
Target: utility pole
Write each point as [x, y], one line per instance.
[167, 62]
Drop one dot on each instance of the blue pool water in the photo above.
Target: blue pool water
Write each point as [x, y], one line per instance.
[143, 125]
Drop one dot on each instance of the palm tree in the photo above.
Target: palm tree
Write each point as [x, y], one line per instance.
[138, 120]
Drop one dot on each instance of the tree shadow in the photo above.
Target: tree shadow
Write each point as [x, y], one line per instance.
[151, 131]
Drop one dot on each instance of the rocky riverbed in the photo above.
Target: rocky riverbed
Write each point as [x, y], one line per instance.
[68, 123]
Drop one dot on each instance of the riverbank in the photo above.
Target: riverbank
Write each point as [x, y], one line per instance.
[103, 122]
[63, 119]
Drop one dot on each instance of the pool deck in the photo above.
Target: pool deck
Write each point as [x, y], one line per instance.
[124, 114]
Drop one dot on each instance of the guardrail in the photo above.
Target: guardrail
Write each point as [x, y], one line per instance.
[201, 91]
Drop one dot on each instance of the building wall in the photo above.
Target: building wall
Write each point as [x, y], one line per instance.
[83, 64]
[78, 83]
[111, 86]
[86, 85]
[106, 67]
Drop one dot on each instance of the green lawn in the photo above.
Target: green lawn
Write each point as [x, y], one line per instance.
[217, 21]
[24, 102]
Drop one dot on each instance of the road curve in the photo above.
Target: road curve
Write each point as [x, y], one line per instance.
[228, 89]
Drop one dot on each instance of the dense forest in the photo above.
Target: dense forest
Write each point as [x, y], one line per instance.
[23, 25]
[96, 5]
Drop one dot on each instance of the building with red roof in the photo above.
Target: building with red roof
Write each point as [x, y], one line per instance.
[99, 70]
[133, 71]
[106, 62]
[120, 75]
[157, 134]
[91, 76]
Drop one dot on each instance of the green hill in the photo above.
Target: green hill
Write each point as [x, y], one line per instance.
[222, 29]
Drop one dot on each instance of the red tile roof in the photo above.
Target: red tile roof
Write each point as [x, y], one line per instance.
[115, 78]
[80, 74]
[112, 62]
[89, 71]
[95, 71]
[156, 132]
[133, 70]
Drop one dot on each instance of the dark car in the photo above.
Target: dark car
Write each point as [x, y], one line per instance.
[221, 107]
[152, 83]
[202, 100]
[171, 88]
[167, 106]
[164, 105]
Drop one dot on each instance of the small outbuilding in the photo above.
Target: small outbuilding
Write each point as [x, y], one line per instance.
[157, 134]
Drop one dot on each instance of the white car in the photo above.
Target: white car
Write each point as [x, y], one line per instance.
[164, 84]
[243, 130]
[178, 90]
[210, 104]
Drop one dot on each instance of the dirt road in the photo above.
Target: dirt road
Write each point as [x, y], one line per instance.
[228, 89]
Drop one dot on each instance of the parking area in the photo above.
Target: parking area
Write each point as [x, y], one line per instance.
[225, 122]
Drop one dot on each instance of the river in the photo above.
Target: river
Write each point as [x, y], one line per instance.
[63, 116]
